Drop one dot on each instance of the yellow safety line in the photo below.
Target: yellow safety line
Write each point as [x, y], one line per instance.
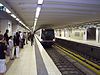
[85, 64]
[95, 65]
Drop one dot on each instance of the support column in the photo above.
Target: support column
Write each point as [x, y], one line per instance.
[85, 34]
[97, 35]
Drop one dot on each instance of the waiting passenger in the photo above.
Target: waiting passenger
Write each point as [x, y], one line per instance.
[3, 49]
[26, 37]
[6, 37]
[11, 45]
[21, 44]
[17, 43]
[32, 38]
[14, 41]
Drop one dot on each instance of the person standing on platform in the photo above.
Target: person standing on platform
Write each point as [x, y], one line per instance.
[26, 37]
[6, 37]
[3, 49]
[11, 45]
[32, 38]
[17, 44]
[21, 40]
[14, 41]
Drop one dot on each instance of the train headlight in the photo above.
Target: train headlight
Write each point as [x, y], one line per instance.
[53, 39]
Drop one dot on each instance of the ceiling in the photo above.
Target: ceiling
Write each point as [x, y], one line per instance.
[57, 13]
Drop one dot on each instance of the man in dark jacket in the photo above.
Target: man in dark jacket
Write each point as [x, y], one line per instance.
[17, 43]
[32, 38]
[6, 36]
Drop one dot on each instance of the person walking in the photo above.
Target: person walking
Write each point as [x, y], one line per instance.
[3, 49]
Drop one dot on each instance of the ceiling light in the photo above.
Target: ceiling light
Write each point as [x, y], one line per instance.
[17, 19]
[1, 4]
[40, 1]
[34, 24]
[8, 11]
[13, 15]
[36, 19]
[38, 9]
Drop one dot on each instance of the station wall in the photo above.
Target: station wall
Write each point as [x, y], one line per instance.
[6, 24]
[71, 33]
[77, 34]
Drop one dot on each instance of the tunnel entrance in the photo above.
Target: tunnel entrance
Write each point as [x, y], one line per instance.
[91, 34]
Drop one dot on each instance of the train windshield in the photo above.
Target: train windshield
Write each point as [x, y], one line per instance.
[47, 34]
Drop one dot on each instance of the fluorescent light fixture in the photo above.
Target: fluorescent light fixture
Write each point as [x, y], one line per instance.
[40, 1]
[24, 24]
[13, 15]
[1, 4]
[17, 19]
[34, 24]
[38, 9]
[36, 19]
[8, 11]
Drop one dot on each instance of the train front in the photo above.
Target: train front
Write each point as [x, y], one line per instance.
[48, 37]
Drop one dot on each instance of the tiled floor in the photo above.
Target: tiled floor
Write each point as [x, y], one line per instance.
[25, 64]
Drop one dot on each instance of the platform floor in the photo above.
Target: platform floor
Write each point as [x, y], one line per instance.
[25, 64]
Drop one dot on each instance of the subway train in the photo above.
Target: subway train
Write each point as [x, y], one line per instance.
[46, 36]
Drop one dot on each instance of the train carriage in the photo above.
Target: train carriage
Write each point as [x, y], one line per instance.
[46, 36]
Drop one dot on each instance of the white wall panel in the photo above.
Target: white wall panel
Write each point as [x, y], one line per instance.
[6, 24]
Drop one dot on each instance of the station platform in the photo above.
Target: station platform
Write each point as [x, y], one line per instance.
[32, 61]
[88, 42]
[25, 64]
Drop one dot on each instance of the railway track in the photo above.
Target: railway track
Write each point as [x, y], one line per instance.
[64, 65]
[96, 61]
[90, 65]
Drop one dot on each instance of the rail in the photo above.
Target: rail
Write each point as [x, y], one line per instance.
[45, 65]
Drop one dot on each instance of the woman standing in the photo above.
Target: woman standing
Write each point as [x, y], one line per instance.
[17, 44]
[3, 49]
[11, 45]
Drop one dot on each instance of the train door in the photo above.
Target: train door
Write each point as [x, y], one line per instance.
[91, 34]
